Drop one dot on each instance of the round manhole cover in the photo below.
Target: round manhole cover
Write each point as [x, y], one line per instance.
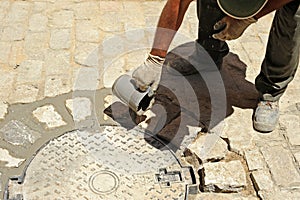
[110, 163]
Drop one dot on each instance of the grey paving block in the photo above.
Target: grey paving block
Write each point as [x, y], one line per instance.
[17, 133]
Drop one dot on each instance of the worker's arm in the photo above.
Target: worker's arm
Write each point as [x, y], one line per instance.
[148, 74]
[270, 6]
[236, 27]
[169, 22]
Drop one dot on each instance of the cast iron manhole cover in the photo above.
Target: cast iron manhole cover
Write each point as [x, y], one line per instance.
[111, 163]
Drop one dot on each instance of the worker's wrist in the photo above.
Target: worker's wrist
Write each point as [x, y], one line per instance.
[158, 52]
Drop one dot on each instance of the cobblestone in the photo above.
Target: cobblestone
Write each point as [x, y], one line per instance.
[3, 109]
[224, 176]
[60, 39]
[80, 108]
[262, 180]
[5, 48]
[17, 133]
[255, 160]
[30, 71]
[292, 125]
[86, 31]
[57, 22]
[49, 116]
[38, 22]
[209, 147]
[9, 161]
[24, 93]
[279, 160]
[57, 84]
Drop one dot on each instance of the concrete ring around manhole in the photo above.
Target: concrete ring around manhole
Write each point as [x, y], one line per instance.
[103, 182]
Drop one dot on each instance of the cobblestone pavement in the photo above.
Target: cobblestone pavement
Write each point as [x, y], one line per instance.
[58, 61]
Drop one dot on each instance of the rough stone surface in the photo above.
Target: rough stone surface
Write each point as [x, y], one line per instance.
[224, 176]
[17, 133]
[297, 157]
[254, 159]
[86, 79]
[280, 195]
[219, 196]
[86, 54]
[3, 109]
[60, 39]
[262, 180]
[209, 147]
[49, 116]
[9, 161]
[30, 71]
[57, 84]
[292, 125]
[24, 93]
[279, 160]
[80, 108]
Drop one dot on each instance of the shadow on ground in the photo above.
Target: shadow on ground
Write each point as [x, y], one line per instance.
[203, 98]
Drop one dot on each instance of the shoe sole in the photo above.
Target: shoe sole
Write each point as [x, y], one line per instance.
[263, 128]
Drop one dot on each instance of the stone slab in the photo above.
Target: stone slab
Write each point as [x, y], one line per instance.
[279, 160]
[7, 160]
[80, 108]
[47, 114]
[225, 176]
[17, 133]
[292, 125]
[220, 196]
[262, 180]
[3, 109]
[209, 147]
[255, 160]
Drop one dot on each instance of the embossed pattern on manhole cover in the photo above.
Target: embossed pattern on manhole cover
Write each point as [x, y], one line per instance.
[111, 163]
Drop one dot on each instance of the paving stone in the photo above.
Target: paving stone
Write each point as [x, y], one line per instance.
[3, 109]
[110, 22]
[17, 54]
[220, 196]
[88, 10]
[24, 93]
[7, 160]
[225, 176]
[17, 133]
[280, 195]
[297, 157]
[262, 180]
[209, 147]
[86, 79]
[30, 71]
[57, 62]
[6, 84]
[80, 108]
[0, 181]
[14, 32]
[35, 44]
[19, 11]
[38, 22]
[57, 22]
[279, 160]
[87, 54]
[39, 6]
[60, 39]
[292, 125]
[112, 72]
[47, 114]
[57, 84]
[240, 131]
[5, 48]
[255, 160]
[86, 31]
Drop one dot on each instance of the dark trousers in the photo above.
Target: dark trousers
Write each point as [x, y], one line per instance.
[282, 54]
[208, 14]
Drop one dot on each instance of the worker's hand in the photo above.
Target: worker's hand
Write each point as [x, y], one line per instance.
[234, 28]
[148, 74]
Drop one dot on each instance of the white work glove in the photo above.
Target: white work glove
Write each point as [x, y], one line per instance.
[234, 28]
[148, 74]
